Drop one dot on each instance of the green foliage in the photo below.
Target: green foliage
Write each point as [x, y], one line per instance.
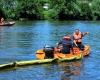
[63, 8]
[16, 9]
[31, 9]
[95, 7]
[51, 14]
[58, 9]
[2, 13]
[71, 9]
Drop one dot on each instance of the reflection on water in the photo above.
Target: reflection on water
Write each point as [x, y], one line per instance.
[70, 70]
[20, 42]
[57, 71]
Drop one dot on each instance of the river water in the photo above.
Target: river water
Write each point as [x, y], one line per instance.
[19, 42]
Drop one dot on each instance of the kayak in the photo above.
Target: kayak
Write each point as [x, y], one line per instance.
[86, 51]
[58, 57]
[75, 55]
[18, 64]
[7, 24]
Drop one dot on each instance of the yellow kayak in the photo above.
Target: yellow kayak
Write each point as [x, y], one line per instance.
[75, 55]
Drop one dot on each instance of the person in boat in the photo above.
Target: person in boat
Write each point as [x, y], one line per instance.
[77, 39]
[49, 51]
[2, 20]
[65, 45]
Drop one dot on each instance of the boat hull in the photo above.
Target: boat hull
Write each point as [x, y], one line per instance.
[58, 57]
[40, 54]
[8, 24]
[18, 64]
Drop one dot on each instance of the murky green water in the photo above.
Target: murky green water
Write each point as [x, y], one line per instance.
[20, 42]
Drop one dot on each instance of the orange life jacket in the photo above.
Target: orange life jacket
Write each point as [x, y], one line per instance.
[78, 38]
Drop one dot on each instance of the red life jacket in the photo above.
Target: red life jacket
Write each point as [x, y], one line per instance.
[78, 38]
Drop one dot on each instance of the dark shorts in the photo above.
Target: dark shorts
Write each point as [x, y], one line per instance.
[80, 45]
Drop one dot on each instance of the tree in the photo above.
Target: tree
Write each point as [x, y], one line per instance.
[57, 9]
[64, 9]
[95, 7]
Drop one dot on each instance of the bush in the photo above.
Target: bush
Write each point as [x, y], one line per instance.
[58, 9]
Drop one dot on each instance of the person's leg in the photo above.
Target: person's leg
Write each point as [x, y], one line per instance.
[74, 45]
[81, 46]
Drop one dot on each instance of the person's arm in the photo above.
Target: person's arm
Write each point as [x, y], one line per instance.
[58, 43]
[75, 43]
[85, 33]
[73, 40]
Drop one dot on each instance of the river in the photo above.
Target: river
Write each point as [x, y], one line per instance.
[19, 42]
